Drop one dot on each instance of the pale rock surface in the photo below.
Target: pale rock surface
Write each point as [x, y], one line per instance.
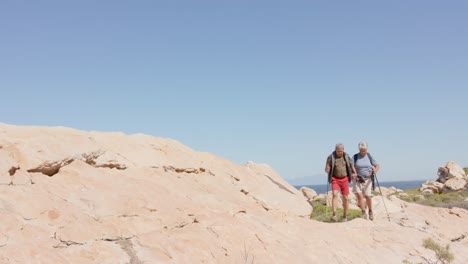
[455, 184]
[91, 197]
[455, 170]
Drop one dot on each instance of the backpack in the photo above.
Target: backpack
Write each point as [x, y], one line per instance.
[355, 158]
[332, 166]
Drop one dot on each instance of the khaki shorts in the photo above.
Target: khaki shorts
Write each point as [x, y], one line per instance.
[365, 187]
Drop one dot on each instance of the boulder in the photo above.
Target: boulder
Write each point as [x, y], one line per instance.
[428, 191]
[432, 187]
[388, 191]
[403, 195]
[310, 194]
[449, 171]
[323, 198]
[394, 189]
[455, 184]
[455, 170]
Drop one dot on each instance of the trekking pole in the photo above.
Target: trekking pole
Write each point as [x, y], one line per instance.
[378, 184]
[326, 202]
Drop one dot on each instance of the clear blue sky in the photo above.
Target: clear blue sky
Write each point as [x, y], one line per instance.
[277, 82]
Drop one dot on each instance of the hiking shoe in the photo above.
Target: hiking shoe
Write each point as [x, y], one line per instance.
[334, 218]
[371, 216]
[345, 219]
[364, 215]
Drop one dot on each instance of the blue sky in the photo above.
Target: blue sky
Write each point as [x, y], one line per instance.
[277, 82]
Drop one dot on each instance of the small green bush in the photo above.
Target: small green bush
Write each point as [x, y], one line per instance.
[443, 254]
[320, 212]
[466, 170]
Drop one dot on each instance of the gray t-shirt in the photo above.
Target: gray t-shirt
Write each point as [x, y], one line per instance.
[364, 166]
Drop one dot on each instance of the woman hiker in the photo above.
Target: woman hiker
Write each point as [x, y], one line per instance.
[366, 167]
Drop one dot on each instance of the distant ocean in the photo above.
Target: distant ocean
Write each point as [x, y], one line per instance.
[404, 185]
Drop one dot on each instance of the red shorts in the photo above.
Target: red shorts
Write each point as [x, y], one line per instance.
[340, 184]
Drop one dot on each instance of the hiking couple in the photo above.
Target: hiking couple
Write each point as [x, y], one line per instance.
[341, 170]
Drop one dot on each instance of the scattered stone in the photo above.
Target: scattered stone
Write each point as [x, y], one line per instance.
[105, 159]
[186, 170]
[50, 168]
[458, 239]
[13, 170]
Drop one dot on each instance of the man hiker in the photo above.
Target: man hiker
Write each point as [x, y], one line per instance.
[340, 169]
[366, 168]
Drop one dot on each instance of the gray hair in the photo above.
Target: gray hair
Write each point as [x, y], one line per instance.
[339, 145]
[362, 144]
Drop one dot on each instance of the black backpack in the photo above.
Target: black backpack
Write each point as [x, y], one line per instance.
[355, 158]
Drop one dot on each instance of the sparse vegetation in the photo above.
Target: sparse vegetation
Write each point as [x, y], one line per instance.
[446, 200]
[320, 212]
[466, 170]
[443, 254]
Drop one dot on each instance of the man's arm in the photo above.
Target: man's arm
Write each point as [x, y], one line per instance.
[354, 172]
[352, 168]
[327, 165]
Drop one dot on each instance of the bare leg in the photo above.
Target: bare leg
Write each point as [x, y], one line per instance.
[335, 201]
[345, 206]
[362, 205]
[360, 201]
[369, 202]
[335, 205]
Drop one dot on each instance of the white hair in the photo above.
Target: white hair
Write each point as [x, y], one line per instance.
[362, 144]
[339, 145]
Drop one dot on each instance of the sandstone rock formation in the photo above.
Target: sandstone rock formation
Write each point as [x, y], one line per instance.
[309, 193]
[451, 177]
[69, 196]
[449, 171]
[432, 187]
[455, 184]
